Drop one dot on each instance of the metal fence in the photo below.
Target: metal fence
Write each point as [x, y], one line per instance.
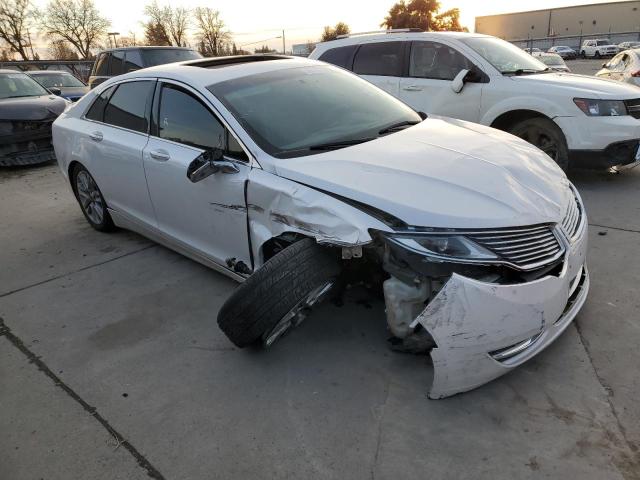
[79, 68]
[575, 41]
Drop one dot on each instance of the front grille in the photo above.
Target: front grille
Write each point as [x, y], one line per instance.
[633, 107]
[572, 219]
[524, 247]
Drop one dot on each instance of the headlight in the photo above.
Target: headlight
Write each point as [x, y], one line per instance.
[601, 108]
[445, 247]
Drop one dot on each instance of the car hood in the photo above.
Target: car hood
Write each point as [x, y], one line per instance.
[576, 86]
[31, 108]
[442, 173]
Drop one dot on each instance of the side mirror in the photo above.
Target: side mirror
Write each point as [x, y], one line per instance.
[457, 84]
[605, 65]
[208, 163]
[423, 115]
[55, 91]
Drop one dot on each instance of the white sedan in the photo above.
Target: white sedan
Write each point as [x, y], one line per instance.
[624, 67]
[289, 174]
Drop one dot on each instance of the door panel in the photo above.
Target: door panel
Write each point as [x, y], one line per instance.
[432, 67]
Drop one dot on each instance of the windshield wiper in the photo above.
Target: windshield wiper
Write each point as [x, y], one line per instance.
[337, 145]
[525, 71]
[398, 126]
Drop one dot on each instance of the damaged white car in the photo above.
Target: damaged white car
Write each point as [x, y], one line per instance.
[292, 176]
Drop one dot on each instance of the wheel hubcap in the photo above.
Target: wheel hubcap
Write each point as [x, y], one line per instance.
[297, 314]
[542, 140]
[90, 198]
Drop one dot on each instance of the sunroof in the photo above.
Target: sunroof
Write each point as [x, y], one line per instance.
[234, 60]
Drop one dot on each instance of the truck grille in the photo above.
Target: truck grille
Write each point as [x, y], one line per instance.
[633, 107]
[527, 248]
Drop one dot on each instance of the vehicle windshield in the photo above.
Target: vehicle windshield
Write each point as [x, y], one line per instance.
[13, 85]
[602, 43]
[505, 56]
[562, 49]
[552, 60]
[160, 56]
[58, 80]
[303, 111]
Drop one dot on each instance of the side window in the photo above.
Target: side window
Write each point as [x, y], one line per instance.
[184, 119]
[384, 58]
[117, 60]
[340, 56]
[102, 65]
[127, 107]
[96, 111]
[436, 61]
[132, 61]
[234, 150]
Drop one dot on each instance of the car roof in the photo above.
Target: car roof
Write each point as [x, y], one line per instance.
[6, 71]
[208, 71]
[396, 36]
[146, 47]
[44, 72]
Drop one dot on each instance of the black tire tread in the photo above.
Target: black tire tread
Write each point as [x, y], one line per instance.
[274, 289]
[545, 123]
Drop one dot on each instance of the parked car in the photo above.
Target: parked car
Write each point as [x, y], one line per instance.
[533, 50]
[567, 53]
[579, 121]
[27, 111]
[598, 48]
[117, 61]
[628, 45]
[468, 229]
[624, 67]
[553, 61]
[61, 83]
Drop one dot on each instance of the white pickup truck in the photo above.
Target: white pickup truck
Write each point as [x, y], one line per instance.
[577, 120]
[598, 48]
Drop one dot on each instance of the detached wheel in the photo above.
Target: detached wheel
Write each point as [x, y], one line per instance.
[278, 296]
[547, 136]
[91, 200]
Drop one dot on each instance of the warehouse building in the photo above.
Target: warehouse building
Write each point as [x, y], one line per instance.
[580, 20]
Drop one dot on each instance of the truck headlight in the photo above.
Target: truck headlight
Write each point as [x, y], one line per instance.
[442, 246]
[601, 108]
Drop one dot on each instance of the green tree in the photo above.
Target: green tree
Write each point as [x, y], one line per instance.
[422, 14]
[331, 33]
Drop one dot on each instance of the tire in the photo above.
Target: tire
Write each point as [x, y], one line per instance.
[597, 55]
[547, 136]
[92, 203]
[583, 54]
[275, 290]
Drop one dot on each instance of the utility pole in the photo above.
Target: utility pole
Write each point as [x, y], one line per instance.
[284, 48]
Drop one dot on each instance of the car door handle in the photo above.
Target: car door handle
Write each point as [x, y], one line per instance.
[96, 136]
[412, 88]
[159, 155]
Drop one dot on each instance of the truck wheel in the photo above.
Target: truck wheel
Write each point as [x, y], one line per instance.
[92, 203]
[279, 294]
[547, 136]
[597, 55]
[583, 54]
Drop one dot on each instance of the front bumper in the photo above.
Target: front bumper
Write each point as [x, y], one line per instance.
[617, 154]
[484, 330]
[25, 143]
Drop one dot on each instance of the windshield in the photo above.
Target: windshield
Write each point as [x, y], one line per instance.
[601, 43]
[13, 85]
[160, 56]
[58, 80]
[504, 56]
[302, 111]
[554, 60]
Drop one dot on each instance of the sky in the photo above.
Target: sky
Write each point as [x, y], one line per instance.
[253, 21]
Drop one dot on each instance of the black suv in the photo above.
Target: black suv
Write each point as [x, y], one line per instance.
[117, 61]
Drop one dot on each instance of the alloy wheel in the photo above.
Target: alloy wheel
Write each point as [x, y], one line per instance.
[90, 197]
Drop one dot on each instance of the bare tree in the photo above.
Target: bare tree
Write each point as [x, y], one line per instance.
[166, 25]
[77, 21]
[211, 31]
[16, 21]
[61, 50]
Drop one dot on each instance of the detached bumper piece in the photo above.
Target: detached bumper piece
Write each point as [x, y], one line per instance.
[615, 155]
[25, 143]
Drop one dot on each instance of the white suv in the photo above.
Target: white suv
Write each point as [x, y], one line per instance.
[577, 120]
[598, 48]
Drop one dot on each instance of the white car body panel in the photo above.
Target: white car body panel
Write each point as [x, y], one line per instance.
[549, 94]
[622, 67]
[440, 173]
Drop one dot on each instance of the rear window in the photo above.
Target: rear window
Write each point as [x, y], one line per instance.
[96, 111]
[161, 56]
[102, 65]
[340, 56]
[127, 107]
[383, 59]
[117, 60]
[132, 61]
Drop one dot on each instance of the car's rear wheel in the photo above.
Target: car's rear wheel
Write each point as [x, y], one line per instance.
[597, 54]
[547, 136]
[91, 200]
[279, 294]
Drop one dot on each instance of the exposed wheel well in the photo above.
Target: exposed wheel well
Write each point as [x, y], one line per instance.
[276, 244]
[507, 120]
